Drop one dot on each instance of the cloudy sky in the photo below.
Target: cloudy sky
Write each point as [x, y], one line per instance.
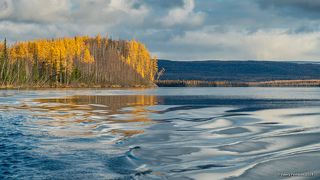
[177, 29]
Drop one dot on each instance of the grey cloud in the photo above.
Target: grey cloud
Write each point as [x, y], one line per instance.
[140, 13]
[4, 6]
[71, 11]
[34, 11]
[179, 29]
[299, 4]
[294, 8]
[163, 4]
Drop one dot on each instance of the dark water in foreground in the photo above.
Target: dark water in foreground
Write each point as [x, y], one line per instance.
[165, 133]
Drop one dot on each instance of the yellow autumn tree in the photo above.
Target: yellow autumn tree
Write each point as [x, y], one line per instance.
[87, 58]
[65, 59]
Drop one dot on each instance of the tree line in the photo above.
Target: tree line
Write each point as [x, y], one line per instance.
[275, 83]
[79, 61]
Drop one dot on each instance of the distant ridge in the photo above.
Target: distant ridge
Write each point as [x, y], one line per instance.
[239, 71]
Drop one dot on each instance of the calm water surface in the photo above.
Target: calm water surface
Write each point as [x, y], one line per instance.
[164, 133]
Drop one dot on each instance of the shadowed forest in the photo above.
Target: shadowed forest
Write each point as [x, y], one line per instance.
[276, 83]
[76, 62]
[214, 73]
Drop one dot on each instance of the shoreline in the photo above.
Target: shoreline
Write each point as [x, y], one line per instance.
[81, 86]
[272, 83]
[175, 83]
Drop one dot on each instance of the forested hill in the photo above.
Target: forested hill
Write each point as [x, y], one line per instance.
[76, 62]
[238, 71]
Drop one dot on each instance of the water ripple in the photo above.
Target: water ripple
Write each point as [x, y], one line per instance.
[200, 133]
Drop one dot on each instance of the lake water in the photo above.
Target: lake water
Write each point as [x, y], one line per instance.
[164, 133]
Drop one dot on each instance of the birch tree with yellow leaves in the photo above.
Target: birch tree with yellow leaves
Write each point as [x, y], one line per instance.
[77, 61]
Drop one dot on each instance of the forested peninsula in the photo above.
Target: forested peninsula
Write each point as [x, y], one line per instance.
[80, 61]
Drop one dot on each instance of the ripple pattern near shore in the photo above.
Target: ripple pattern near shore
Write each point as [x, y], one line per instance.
[199, 133]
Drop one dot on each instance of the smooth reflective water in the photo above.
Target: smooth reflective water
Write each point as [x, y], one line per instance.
[164, 133]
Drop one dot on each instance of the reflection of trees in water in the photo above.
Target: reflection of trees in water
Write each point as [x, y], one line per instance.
[112, 104]
[90, 115]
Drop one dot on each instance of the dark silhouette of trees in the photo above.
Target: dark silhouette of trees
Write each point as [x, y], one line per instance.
[276, 83]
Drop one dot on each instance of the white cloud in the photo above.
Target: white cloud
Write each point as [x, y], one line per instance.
[275, 44]
[36, 10]
[5, 8]
[71, 11]
[179, 29]
[184, 15]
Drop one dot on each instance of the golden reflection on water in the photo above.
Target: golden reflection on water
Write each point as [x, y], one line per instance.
[91, 116]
